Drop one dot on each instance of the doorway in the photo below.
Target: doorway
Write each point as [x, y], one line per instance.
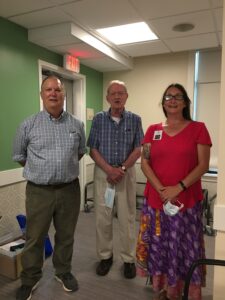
[75, 102]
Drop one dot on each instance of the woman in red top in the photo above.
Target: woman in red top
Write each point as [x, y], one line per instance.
[175, 155]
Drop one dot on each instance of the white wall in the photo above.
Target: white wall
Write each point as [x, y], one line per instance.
[208, 97]
[219, 210]
[208, 112]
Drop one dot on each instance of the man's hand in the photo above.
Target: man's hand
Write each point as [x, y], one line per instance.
[115, 176]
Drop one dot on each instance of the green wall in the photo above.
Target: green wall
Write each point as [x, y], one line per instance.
[94, 93]
[19, 84]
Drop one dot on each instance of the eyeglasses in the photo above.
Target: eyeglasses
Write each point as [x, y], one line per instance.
[117, 93]
[176, 97]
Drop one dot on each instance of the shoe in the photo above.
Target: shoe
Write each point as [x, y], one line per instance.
[129, 270]
[68, 281]
[104, 266]
[25, 292]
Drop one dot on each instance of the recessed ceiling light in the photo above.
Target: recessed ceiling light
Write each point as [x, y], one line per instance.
[183, 27]
[129, 33]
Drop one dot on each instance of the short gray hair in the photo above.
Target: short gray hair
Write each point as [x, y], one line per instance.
[116, 82]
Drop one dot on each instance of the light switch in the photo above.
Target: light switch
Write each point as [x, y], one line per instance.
[90, 114]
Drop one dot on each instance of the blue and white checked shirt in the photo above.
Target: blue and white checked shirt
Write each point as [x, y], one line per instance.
[50, 148]
[115, 141]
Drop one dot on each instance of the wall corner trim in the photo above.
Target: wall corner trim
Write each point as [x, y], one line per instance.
[11, 176]
[218, 217]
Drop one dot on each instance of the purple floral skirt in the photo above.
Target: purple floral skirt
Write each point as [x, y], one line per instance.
[167, 246]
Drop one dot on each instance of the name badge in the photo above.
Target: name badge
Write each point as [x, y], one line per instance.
[157, 135]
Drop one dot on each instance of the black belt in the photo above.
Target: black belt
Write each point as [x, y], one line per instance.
[56, 185]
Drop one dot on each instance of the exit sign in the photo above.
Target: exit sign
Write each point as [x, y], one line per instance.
[71, 63]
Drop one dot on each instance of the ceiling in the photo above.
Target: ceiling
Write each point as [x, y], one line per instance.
[69, 26]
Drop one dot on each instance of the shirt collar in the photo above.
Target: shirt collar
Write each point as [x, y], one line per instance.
[62, 116]
[123, 115]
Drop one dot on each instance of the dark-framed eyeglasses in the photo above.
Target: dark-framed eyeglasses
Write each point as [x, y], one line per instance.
[176, 97]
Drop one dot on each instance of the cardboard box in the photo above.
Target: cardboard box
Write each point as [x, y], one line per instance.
[10, 266]
[10, 261]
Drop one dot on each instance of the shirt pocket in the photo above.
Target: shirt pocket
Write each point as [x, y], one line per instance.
[128, 137]
[74, 139]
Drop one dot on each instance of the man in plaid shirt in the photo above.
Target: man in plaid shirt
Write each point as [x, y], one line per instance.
[115, 145]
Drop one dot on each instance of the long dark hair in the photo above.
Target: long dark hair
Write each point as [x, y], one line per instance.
[186, 110]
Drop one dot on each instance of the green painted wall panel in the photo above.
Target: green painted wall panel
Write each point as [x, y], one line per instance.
[94, 97]
[19, 84]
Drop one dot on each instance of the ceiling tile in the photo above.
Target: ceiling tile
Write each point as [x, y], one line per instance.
[102, 13]
[151, 9]
[203, 22]
[144, 49]
[41, 18]
[194, 42]
[10, 8]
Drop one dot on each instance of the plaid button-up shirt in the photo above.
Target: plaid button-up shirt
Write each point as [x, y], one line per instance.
[115, 141]
[50, 147]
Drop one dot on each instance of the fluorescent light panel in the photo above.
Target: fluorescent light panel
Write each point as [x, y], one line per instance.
[128, 34]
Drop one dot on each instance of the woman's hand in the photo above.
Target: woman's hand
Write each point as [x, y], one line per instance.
[170, 193]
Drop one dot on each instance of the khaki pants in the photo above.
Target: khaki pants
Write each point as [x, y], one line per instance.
[44, 204]
[125, 205]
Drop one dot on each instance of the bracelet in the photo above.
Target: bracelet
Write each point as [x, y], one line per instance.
[182, 185]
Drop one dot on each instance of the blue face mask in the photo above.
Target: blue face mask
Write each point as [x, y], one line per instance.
[171, 209]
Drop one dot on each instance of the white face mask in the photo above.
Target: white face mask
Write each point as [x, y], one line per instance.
[109, 197]
[171, 209]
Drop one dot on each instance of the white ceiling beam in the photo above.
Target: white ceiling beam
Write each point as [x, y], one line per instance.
[44, 36]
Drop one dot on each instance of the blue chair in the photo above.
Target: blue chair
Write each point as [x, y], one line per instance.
[48, 246]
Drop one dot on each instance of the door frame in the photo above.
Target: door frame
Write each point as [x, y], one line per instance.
[79, 105]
